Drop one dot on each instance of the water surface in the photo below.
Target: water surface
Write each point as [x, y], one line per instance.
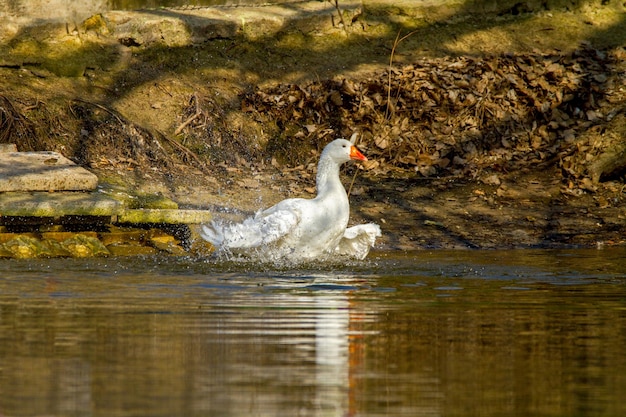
[442, 333]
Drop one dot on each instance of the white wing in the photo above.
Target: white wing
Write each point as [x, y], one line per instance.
[213, 233]
[263, 229]
[357, 240]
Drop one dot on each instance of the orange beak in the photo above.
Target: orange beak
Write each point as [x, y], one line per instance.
[356, 154]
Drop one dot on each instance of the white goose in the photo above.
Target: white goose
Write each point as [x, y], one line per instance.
[299, 229]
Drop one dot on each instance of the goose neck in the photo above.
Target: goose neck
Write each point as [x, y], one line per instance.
[327, 175]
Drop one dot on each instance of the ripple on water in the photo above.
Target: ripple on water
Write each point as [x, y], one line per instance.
[459, 333]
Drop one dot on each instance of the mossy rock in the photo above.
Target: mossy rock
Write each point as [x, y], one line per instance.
[131, 250]
[56, 249]
[82, 246]
[26, 247]
[167, 244]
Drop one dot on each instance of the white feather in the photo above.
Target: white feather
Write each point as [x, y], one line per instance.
[357, 240]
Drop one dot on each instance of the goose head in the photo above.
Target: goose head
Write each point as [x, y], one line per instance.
[342, 150]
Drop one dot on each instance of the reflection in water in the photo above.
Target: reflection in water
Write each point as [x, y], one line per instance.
[164, 354]
[424, 334]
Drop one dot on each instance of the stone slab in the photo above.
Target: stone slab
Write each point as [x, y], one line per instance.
[165, 216]
[39, 204]
[43, 171]
[58, 204]
[8, 147]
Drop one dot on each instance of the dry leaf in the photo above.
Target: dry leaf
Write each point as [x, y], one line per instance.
[491, 180]
[381, 142]
[475, 113]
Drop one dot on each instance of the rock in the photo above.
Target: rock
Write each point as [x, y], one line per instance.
[165, 216]
[43, 171]
[8, 147]
[131, 250]
[167, 244]
[39, 204]
[5, 253]
[56, 249]
[25, 247]
[82, 246]
[120, 236]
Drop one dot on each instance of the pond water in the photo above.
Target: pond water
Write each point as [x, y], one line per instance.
[429, 333]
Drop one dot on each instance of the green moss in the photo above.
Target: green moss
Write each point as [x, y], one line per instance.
[153, 201]
[165, 216]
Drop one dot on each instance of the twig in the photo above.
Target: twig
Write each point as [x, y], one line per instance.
[353, 139]
[101, 107]
[393, 52]
[185, 150]
[185, 124]
[32, 106]
[356, 171]
[174, 143]
[191, 118]
[336, 4]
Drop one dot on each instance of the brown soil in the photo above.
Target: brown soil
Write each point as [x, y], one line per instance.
[488, 131]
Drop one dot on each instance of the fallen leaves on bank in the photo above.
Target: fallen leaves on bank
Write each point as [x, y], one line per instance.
[462, 117]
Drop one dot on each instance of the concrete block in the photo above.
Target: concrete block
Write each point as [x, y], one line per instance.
[40, 204]
[8, 147]
[165, 216]
[43, 171]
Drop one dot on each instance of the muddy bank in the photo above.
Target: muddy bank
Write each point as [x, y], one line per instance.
[487, 131]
